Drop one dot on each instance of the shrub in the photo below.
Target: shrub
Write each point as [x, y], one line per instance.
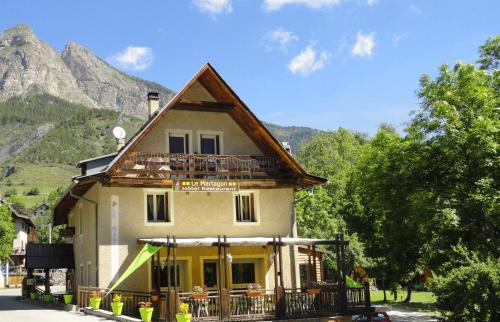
[470, 292]
[10, 192]
[33, 192]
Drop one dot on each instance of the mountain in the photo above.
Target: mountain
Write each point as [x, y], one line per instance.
[58, 108]
[30, 66]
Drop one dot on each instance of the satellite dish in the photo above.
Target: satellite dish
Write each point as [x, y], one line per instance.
[119, 132]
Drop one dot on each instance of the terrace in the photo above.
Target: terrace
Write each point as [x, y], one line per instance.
[152, 165]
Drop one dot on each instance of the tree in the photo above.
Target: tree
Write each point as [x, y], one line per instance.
[323, 213]
[6, 232]
[44, 221]
[490, 54]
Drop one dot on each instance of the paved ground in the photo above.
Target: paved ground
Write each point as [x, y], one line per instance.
[400, 315]
[13, 310]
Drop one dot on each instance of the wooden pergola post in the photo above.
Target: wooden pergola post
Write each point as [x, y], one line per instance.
[175, 293]
[167, 294]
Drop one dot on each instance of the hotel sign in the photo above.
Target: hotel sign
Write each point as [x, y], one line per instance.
[206, 185]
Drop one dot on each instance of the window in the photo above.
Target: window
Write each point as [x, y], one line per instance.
[245, 207]
[209, 144]
[210, 273]
[164, 276]
[157, 207]
[178, 143]
[243, 273]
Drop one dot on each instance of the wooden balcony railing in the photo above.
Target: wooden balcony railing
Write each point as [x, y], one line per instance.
[237, 305]
[198, 166]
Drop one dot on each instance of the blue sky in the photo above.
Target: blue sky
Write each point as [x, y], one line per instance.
[317, 63]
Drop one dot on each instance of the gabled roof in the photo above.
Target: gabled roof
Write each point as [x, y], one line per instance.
[241, 114]
[217, 88]
[16, 215]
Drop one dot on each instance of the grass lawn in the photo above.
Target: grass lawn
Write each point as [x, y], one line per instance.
[45, 177]
[420, 301]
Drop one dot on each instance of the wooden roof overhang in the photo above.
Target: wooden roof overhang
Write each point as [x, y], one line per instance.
[68, 200]
[241, 241]
[228, 102]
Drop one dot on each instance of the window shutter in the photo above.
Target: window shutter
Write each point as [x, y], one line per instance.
[167, 210]
[252, 208]
[217, 146]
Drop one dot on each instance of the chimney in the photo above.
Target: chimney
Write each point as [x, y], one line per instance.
[120, 143]
[153, 103]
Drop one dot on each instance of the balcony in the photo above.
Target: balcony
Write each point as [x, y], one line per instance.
[150, 165]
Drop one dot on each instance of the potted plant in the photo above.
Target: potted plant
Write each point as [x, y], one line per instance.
[117, 304]
[200, 292]
[254, 289]
[48, 297]
[68, 298]
[183, 315]
[313, 288]
[34, 295]
[155, 295]
[95, 299]
[146, 311]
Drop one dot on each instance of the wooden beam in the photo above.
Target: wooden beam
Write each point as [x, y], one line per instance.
[202, 106]
[168, 183]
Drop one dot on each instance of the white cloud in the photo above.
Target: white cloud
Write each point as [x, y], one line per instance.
[415, 9]
[371, 2]
[280, 38]
[364, 45]
[214, 6]
[133, 58]
[272, 5]
[308, 61]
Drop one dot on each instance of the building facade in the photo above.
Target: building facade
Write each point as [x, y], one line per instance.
[203, 166]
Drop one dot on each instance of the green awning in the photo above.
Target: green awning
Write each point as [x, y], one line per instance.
[147, 251]
[352, 283]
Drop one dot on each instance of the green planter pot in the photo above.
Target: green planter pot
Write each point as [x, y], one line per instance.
[34, 296]
[95, 303]
[146, 313]
[183, 317]
[117, 308]
[68, 298]
[48, 298]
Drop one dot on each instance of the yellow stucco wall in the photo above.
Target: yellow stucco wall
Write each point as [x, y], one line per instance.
[233, 140]
[84, 243]
[195, 214]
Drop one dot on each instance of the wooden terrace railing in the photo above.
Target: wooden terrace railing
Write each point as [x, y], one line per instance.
[237, 305]
[198, 166]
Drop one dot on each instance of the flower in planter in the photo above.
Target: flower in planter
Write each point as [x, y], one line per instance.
[184, 308]
[96, 295]
[254, 287]
[117, 297]
[144, 305]
[200, 289]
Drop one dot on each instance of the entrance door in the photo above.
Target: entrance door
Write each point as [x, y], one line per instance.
[182, 275]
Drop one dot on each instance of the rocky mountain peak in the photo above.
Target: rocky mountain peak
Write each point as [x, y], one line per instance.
[30, 66]
[17, 36]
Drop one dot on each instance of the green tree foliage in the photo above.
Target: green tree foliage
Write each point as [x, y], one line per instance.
[490, 54]
[6, 232]
[471, 292]
[78, 132]
[42, 222]
[322, 213]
